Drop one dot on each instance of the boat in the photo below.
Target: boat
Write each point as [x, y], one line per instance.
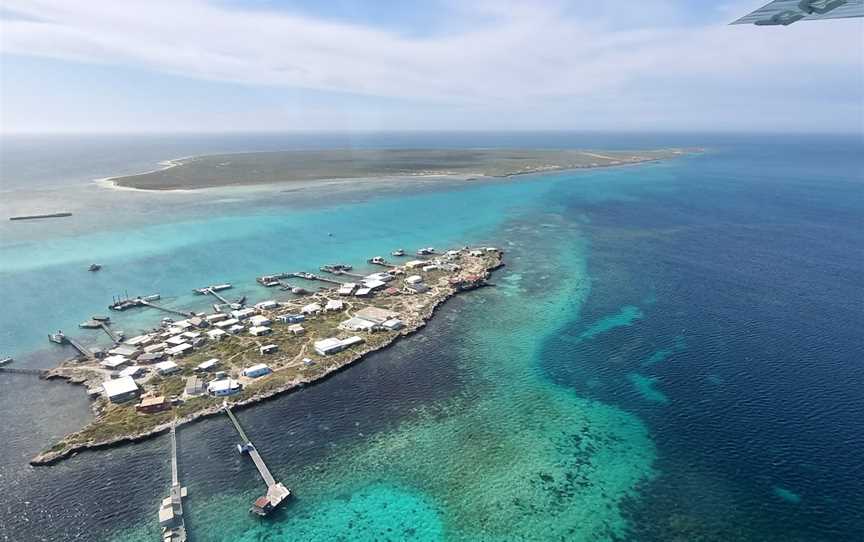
[398, 253]
[377, 260]
[100, 318]
[299, 291]
[90, 324]
[5, 361]
[94, 267]
[58, 337]
[425, 251]
[153, 297]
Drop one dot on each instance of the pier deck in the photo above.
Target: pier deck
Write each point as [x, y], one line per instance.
[276, 492]
[171, 510]
[116, 338]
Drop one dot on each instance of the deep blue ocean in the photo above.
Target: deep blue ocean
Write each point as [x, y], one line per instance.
[674, 351]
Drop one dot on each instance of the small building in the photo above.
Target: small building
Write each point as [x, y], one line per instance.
[334, 305]
[311, 308]
[382, 277]
[266, 305]
[114, 362]
[257, 370]
[208, 365]
[176, 340]
[235, 329]
[139, 341]
[179, 350]
[268, 349]
[430, 268]
[258, 331]
[376, 315]
[296, 329]
[414, 264]
[198, 322]
[121, 389]
[183, 324]
[242, 314]
[259, 320]
[352, 341]
[133, 371]
[357, 324]
[165, 368]
[347, 288]
[191, 335]
[327, 347]
[223, 387]
[124, 350]
[394, 324]
[392, 291]
[418, 288]
[151, 403]
[216, 334]
[413, 279]
[476, 253]
[194, 386]
[372, 284]
[291, 318]
[218, 317]
[151, 358]
[363, 292]
[157, 347]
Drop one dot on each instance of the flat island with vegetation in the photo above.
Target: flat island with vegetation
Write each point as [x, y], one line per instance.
[186, 369]
[313, 165]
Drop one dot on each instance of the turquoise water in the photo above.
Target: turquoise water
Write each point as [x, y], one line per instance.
[671, 352]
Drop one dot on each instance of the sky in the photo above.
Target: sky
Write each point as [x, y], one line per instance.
[103, 66]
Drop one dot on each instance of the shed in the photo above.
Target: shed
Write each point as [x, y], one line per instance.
[257, 370]
[393, 324]
[120, 389]
[414, 279]
[166, 367]
[291, 318]
[334, 305]
[257, 331]
[326, 347]
[266, 305]
[259, 320]
[179, 350]
[296, 329]
[133, 371]
[194, 386]
[311, 308]
[152, 403]
[357, 324]
[268, 349]
[221, 388]
[376, 315]
[216, 334]
[207, 365]
[114, 362]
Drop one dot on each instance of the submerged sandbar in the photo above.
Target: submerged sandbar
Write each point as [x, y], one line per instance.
[310, 165]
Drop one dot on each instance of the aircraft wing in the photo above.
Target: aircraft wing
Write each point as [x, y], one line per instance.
[786, 12]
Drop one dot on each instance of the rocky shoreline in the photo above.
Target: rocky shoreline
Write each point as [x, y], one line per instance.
[65, 449]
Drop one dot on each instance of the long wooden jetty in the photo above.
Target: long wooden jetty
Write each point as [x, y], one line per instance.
[115, 337]
[62, 338]
[171, 509]
[276, 492]
[313, 276]
[166, 309]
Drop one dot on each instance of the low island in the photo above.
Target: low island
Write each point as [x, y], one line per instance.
[187, 369]
[320, 165]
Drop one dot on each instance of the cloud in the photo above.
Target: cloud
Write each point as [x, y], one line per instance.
[504, 54]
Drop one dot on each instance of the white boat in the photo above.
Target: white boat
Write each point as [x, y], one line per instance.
[5, 361]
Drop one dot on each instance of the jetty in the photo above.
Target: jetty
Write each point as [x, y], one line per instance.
[276, 492]
[116, 337]
[171, 509]
[272, 280]
[313, 276]
[23, 371]
[122, 304]
[61, 338]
